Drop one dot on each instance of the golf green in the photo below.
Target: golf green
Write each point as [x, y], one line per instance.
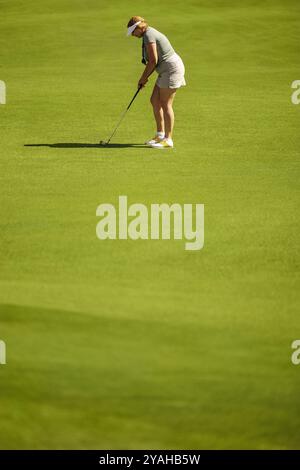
[128, 344]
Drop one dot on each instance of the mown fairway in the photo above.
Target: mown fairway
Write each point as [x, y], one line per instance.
[141, 344]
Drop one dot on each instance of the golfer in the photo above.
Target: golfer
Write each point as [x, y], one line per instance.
[159, 55]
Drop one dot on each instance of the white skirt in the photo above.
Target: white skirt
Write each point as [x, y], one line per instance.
[171, 73]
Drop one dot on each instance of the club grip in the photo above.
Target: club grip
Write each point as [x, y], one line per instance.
[139, 88]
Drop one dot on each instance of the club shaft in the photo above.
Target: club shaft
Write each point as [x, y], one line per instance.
[123, 115]
[117, 126]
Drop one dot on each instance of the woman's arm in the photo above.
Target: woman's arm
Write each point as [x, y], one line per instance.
[150, 67]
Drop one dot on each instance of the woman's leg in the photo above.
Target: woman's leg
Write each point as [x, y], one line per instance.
[157, 110]
[166, 97]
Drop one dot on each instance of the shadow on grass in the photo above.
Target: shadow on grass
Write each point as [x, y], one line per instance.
[66, 145]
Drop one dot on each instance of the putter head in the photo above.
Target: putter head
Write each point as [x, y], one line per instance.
[103, 142]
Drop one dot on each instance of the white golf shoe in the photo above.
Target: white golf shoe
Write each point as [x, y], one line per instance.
[154, 140]
[163, 144]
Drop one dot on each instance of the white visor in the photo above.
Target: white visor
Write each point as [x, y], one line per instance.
[132, 28]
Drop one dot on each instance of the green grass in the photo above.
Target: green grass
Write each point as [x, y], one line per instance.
[141, 344]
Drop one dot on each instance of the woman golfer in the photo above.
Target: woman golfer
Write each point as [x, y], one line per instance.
[159, 55]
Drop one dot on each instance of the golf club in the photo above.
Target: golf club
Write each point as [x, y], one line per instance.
[105, 142]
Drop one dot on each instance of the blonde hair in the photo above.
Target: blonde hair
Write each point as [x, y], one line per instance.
[135, 19]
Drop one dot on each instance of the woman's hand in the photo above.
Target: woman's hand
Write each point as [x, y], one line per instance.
[152, 63]
[142, 82]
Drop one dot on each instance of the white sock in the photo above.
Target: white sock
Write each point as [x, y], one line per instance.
[160, 134]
